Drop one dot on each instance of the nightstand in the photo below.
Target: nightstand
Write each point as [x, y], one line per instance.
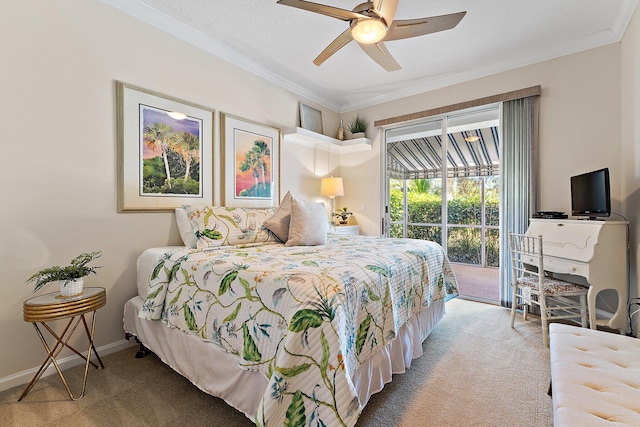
[49, 307]
[345, 229]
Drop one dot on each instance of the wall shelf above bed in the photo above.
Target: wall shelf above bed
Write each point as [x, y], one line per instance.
[316, 140]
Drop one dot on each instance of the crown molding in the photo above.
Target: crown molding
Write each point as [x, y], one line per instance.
[591, 41]
[624, 17]
[167, 24]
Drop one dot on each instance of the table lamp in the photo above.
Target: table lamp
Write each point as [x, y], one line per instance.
[331, 188]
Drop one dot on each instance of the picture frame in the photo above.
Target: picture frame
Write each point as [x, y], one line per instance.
[164, 161]
[250, 163]
[310, 118]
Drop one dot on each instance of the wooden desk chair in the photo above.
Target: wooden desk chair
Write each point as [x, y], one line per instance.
[557, 299]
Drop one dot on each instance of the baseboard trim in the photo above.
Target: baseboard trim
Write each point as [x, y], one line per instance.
[24, 377]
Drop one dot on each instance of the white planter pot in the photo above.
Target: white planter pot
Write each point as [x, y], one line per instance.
[69, 288]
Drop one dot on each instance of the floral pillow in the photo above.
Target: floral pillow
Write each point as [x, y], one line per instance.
[224, 226]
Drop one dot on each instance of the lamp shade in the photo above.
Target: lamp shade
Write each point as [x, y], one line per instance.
[331, 187]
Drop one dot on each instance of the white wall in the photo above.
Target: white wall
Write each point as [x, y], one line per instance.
[59, 169]
[579, 125]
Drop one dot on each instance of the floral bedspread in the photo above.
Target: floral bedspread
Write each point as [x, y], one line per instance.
[305, 317]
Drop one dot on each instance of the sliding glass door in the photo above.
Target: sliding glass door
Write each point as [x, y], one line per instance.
[442, 184]
[414, 196]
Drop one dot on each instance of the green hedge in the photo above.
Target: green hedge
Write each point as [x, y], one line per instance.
[464, 243]
[427, 208]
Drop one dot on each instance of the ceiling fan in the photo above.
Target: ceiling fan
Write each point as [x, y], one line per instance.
[371, 25]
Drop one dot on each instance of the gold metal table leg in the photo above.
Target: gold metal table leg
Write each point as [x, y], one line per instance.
[60, 344]
[91, 345]
[51, 354]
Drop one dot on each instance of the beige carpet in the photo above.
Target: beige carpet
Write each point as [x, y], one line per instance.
[476, 371]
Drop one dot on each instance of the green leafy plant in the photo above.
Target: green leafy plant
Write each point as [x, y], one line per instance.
[358, 124]
[343, 213]
[77, 269]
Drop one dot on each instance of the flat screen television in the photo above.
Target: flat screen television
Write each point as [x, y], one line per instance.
[591, 195]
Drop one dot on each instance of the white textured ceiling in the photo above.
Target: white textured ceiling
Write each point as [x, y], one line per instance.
[279, 42]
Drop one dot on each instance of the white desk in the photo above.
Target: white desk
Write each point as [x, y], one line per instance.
[593, 250]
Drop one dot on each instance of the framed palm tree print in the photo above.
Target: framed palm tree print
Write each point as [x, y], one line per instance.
[250, 166]
[165, 151]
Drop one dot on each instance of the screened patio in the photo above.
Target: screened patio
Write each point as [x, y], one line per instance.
[471, 226]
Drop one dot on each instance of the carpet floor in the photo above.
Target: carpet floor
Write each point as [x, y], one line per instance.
[476, 371]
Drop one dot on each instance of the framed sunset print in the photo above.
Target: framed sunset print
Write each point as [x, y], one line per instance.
[165, 151]
[250, 165]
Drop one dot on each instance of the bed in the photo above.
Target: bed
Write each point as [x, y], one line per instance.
[288, 334]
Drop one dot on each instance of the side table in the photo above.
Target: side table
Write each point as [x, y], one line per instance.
[345, 229]
[49, 307]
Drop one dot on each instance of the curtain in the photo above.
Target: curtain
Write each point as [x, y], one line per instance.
[518, 199]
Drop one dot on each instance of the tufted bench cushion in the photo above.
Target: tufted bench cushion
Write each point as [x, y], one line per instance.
[595, 377]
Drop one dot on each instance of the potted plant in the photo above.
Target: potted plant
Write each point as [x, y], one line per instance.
[357, 126]
[343, 214]
[70, 277]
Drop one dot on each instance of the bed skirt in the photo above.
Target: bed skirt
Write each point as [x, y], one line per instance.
[244, 389]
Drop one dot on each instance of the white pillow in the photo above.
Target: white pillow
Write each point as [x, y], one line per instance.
[184, 227]
[278, 224]
[309, 225]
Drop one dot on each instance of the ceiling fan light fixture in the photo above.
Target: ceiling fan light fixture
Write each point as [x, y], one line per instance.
[472, 138]
[368, 31]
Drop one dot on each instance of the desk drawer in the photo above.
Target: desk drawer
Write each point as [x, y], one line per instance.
[563, 266]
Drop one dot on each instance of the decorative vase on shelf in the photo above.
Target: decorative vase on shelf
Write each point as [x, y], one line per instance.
[340, 135]
[70, 288]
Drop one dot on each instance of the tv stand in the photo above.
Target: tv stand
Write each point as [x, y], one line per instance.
[593, 251]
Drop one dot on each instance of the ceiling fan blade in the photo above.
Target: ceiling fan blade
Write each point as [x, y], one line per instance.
[403, 29]
[334, 12]
[379, 53]
[387, 10]
[340, 42]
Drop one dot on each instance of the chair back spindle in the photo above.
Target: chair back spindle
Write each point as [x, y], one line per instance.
[531, 285]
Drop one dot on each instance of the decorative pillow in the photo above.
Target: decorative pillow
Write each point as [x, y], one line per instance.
[309, 225]
[222, 226]
[279, 222]
[184, 227]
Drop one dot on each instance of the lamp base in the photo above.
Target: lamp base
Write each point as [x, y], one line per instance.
[333, 209]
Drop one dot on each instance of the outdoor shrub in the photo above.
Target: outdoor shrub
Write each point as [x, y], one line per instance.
[464, 243]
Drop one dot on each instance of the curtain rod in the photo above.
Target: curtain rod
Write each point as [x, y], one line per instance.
[507, 96]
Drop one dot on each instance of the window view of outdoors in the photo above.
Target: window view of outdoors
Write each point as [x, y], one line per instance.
[469, 221]
[424, 209]
[472, 226]
[443, 179]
